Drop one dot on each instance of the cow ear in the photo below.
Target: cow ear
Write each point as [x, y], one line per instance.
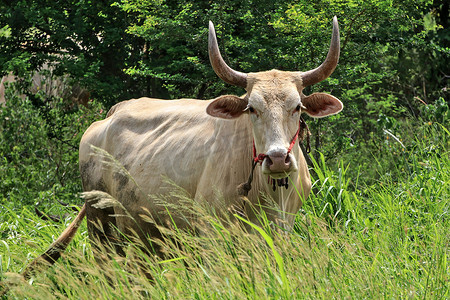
[227, 107]
[319, 105]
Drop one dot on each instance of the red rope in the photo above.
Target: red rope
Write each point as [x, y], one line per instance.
[260, 157]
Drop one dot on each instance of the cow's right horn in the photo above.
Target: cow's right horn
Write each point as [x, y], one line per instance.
[327, 67]
[222, 70]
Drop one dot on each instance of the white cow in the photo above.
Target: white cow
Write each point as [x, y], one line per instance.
[206, 148]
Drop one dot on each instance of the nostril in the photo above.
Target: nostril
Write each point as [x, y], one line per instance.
[288, 159]
[278, 161]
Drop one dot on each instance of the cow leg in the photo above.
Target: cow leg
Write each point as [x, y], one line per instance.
[139, 231]
[102, 226]
[101, 222]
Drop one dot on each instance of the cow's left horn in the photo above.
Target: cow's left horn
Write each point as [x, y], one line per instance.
[222, 70]
[327, 67]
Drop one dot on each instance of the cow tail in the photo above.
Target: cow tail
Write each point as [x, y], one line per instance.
[54, 252]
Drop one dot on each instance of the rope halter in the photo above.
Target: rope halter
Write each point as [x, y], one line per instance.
[245, 187]
[260, 157]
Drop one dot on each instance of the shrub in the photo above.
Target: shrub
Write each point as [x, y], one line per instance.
[39, 148]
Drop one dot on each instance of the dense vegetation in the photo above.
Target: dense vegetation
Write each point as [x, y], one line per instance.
[377, 221]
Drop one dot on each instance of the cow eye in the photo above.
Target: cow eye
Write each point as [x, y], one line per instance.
[252, 110]
[298, 107]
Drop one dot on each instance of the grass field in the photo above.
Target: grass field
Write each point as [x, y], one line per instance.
[355, 238]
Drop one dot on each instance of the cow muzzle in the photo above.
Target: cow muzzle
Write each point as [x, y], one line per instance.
[278, 164]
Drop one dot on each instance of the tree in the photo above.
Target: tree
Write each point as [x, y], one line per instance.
[394, 54]
[84, 39]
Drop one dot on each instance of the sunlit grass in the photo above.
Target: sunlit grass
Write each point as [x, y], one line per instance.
[351, 240]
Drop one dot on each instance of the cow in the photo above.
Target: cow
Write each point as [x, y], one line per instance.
[145, 148]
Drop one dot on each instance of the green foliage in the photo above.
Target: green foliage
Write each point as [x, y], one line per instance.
[85, 39]
[176, 56]
[437, 112]
[23, 236]
[39, 150]
[385, 72]
[376, 223]
[279, 260]
[406, 179]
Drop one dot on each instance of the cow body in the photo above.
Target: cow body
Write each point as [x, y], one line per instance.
[165, 142]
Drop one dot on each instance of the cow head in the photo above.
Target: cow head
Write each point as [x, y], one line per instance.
[275, 101]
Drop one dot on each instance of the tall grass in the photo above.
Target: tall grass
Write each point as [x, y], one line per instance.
[351, 240]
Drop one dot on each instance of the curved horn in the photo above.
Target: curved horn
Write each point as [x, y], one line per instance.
[327, 67]
[222, 70]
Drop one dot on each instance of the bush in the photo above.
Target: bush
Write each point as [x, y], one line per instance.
[401, 171]
[39, 148]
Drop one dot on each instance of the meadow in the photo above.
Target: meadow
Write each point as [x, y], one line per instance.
[359, 235]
